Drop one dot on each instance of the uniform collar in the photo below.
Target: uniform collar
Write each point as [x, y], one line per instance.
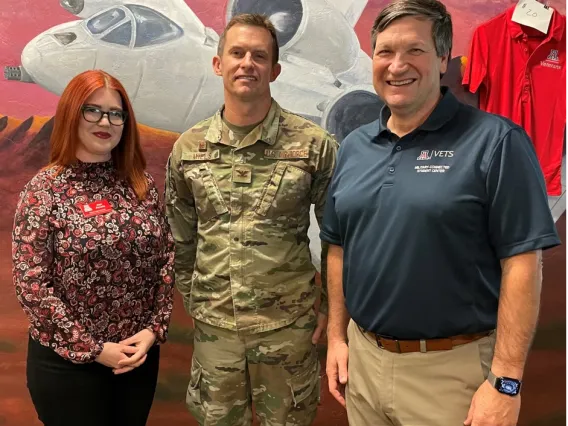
[556, 30]
[267, 131]
[443, 112]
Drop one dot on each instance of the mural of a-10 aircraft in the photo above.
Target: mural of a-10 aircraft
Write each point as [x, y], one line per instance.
[162, 53]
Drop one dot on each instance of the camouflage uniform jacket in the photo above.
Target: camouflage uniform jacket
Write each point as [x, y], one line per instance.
[240, 216]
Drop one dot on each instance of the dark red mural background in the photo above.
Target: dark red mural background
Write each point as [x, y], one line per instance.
[25, 125]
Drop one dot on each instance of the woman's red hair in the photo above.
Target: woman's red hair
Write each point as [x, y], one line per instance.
[127, 155]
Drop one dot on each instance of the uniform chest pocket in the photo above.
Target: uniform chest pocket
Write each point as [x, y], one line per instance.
[287, 189]
[208, 199]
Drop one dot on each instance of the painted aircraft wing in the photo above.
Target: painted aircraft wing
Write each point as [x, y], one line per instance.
[351, 9]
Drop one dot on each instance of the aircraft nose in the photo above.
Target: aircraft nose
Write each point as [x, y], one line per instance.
[53, 59]
[65, 38]
[73, 6]
[17, 73]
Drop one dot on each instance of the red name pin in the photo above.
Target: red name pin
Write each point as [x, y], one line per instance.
[95, 208]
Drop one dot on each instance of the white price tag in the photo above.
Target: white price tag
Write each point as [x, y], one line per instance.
[533, 14]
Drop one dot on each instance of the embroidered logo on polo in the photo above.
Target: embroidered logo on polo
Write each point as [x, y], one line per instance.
[433, 168]
[553, 56]
[552, 60]
[428, 155]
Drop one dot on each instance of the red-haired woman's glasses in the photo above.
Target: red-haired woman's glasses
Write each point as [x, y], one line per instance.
[93, 114]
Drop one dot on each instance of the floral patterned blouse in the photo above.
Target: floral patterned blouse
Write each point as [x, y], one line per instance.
[85, 280]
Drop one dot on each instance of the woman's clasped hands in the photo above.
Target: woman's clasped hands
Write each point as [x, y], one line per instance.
[128, 354]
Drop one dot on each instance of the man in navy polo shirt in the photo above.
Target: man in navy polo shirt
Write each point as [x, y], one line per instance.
[436, 217]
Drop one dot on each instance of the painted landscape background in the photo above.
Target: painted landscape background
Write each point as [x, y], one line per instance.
[25, 125]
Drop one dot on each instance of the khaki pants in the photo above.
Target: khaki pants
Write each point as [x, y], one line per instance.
[413, 389]
[277, 370]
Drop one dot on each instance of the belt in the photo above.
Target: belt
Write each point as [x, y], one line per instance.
[425, 345]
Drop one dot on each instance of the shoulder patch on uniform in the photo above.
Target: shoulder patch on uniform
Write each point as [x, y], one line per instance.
[287, 153]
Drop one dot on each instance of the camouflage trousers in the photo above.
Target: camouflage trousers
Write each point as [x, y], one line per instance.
[278, 371]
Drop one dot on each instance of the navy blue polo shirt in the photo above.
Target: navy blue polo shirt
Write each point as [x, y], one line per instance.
[425, 219]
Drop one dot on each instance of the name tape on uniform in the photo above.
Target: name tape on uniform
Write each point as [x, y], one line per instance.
[200, 156]
[289, 153]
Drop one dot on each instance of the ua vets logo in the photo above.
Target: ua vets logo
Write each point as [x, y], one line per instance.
[553, 55]
[428, 155]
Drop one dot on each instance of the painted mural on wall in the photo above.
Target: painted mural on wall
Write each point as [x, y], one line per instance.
[162, 50]
[162, 53]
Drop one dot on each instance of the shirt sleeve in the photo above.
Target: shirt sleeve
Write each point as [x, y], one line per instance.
[182, 216]
[329, 228]
[53, 324]
[476, 67]
[320, 187]
[163, 294]
[519, 218]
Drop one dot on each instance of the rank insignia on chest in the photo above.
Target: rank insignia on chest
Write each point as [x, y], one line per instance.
[202, 146]
[242, 174]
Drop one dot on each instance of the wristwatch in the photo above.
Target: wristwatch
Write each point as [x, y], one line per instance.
[505, 385]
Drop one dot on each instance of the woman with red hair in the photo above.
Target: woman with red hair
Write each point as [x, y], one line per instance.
[93, 264]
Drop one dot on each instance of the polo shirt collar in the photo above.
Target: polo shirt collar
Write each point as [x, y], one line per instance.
[555, 32]
[443, 112]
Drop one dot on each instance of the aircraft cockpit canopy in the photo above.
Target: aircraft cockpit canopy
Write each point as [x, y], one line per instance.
[133, 26]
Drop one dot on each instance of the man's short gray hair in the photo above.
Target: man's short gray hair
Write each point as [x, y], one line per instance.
[432, 10]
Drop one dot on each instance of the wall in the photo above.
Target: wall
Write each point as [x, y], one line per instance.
[165, 65]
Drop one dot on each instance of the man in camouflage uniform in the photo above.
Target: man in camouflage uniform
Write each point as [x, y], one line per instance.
[238, 193]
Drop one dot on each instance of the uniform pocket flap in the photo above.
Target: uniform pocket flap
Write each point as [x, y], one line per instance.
[303, 383]
[196, 370]
[270, 189]
[213, 192]
[208, 198]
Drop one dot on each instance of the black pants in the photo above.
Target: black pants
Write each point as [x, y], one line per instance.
[67, 394]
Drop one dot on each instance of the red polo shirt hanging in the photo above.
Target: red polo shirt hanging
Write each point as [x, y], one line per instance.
[521, 74]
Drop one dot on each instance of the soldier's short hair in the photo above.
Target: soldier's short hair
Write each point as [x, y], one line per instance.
[433, 10]
[253, 20]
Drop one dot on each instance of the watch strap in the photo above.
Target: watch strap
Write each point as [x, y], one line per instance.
[492, 379]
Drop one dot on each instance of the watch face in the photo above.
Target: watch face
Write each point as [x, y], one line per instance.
[508, 386]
